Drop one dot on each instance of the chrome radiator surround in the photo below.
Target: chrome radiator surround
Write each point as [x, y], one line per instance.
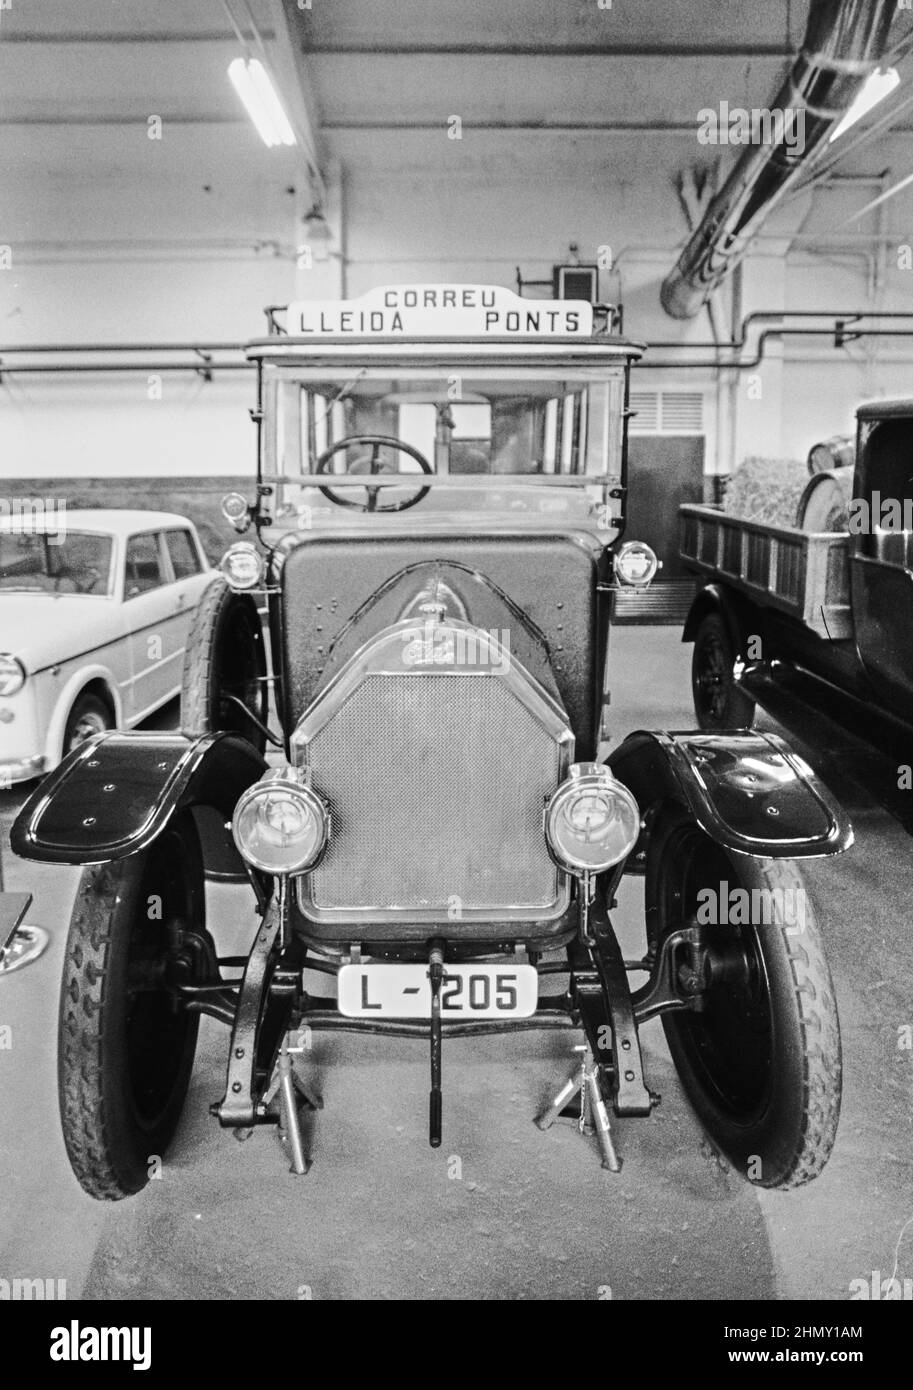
[435, 753]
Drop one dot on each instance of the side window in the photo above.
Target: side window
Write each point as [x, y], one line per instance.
[184, 559]
[144, 565]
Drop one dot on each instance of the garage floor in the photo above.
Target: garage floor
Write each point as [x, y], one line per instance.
[522, 1214]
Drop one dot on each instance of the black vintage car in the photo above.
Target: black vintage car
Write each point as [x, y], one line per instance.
[440, 819]
[824, 616]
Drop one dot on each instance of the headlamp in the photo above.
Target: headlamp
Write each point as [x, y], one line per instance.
[242, 565]
[236, 511]
[12, 674]
[592, 822]
[280, 825]
[636, 564]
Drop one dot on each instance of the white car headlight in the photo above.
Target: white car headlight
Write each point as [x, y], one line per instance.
[636, 564]
[592, 822]
[280, 825]
[242, 565]
[12, 674]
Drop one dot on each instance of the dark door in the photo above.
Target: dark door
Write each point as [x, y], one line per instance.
[664, 471]
[881, 561]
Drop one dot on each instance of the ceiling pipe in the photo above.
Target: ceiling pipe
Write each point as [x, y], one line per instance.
[844, 42]
[745, 364]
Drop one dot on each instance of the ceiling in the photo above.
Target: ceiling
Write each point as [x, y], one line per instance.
[563, 91]
[370, 68]
[377, 81]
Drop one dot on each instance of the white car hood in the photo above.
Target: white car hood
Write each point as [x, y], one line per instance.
[43, 629]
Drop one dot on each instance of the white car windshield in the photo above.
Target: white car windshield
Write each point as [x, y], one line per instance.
[73, 562]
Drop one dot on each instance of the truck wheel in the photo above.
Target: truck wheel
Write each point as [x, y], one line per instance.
[225, 656]
[761, 1061]
[718, 702]
[125, 1051]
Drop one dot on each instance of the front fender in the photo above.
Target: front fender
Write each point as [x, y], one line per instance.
[115, 793]
[741, 618]
[749, 791]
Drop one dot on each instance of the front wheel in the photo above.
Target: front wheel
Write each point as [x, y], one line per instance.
[760, 1062]
[719, 703]
[126, 1047]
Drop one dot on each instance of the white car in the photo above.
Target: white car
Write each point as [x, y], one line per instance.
[94, 615]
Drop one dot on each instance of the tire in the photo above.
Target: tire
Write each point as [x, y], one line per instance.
[89, 715]
[718, 702]
[225, 655]
[125, 1054]
[761, 1064]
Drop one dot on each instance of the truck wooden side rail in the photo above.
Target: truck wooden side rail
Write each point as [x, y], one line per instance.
[802, 573]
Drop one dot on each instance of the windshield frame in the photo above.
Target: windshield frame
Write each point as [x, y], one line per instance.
[602, 387]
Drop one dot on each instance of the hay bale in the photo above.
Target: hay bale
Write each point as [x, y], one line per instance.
[766, 490]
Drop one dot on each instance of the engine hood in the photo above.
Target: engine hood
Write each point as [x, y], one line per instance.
[447, 607]
[547, 591]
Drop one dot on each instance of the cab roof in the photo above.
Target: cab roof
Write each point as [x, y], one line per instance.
[886, 410]
[535, 352]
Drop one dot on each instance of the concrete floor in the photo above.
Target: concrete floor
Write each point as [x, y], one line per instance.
[532, 1215]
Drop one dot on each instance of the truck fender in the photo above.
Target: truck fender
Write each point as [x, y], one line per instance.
[742, 618]
[116, 792]
[748, 791]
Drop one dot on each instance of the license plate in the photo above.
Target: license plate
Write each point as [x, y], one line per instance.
[467, 991]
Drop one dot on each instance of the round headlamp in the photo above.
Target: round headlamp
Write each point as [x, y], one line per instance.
[636, 564]
[280, 825]
[12, 674]
[592, 822]
[236, 511]
[242, 565]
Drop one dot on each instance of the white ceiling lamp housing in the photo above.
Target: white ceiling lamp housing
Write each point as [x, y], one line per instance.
[878, 85]
[252, 83]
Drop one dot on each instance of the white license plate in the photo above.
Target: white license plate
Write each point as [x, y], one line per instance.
[467, 991]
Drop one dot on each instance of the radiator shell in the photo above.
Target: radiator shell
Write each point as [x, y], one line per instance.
[436, 775]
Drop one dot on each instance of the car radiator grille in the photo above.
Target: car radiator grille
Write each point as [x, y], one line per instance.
[436, 784]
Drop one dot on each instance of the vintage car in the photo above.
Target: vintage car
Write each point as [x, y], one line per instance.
[95, 607]
[818, 617]
[443, 820]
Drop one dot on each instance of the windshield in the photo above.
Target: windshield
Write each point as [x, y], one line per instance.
[74, 563]
[488, 422]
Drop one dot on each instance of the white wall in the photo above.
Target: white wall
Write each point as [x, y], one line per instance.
[117, 238]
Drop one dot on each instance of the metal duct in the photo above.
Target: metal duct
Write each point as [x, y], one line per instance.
[844, 42]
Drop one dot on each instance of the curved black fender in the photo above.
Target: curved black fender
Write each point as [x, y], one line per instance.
[749, 791]
[741, 617]
[115, 793]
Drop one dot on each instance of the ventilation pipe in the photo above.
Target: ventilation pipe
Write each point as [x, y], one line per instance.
[844, 41]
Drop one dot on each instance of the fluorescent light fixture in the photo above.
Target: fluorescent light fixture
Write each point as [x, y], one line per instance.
[252, 83]
[878, 85]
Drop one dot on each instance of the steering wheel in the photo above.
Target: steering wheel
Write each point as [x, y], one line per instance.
[371, 465]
